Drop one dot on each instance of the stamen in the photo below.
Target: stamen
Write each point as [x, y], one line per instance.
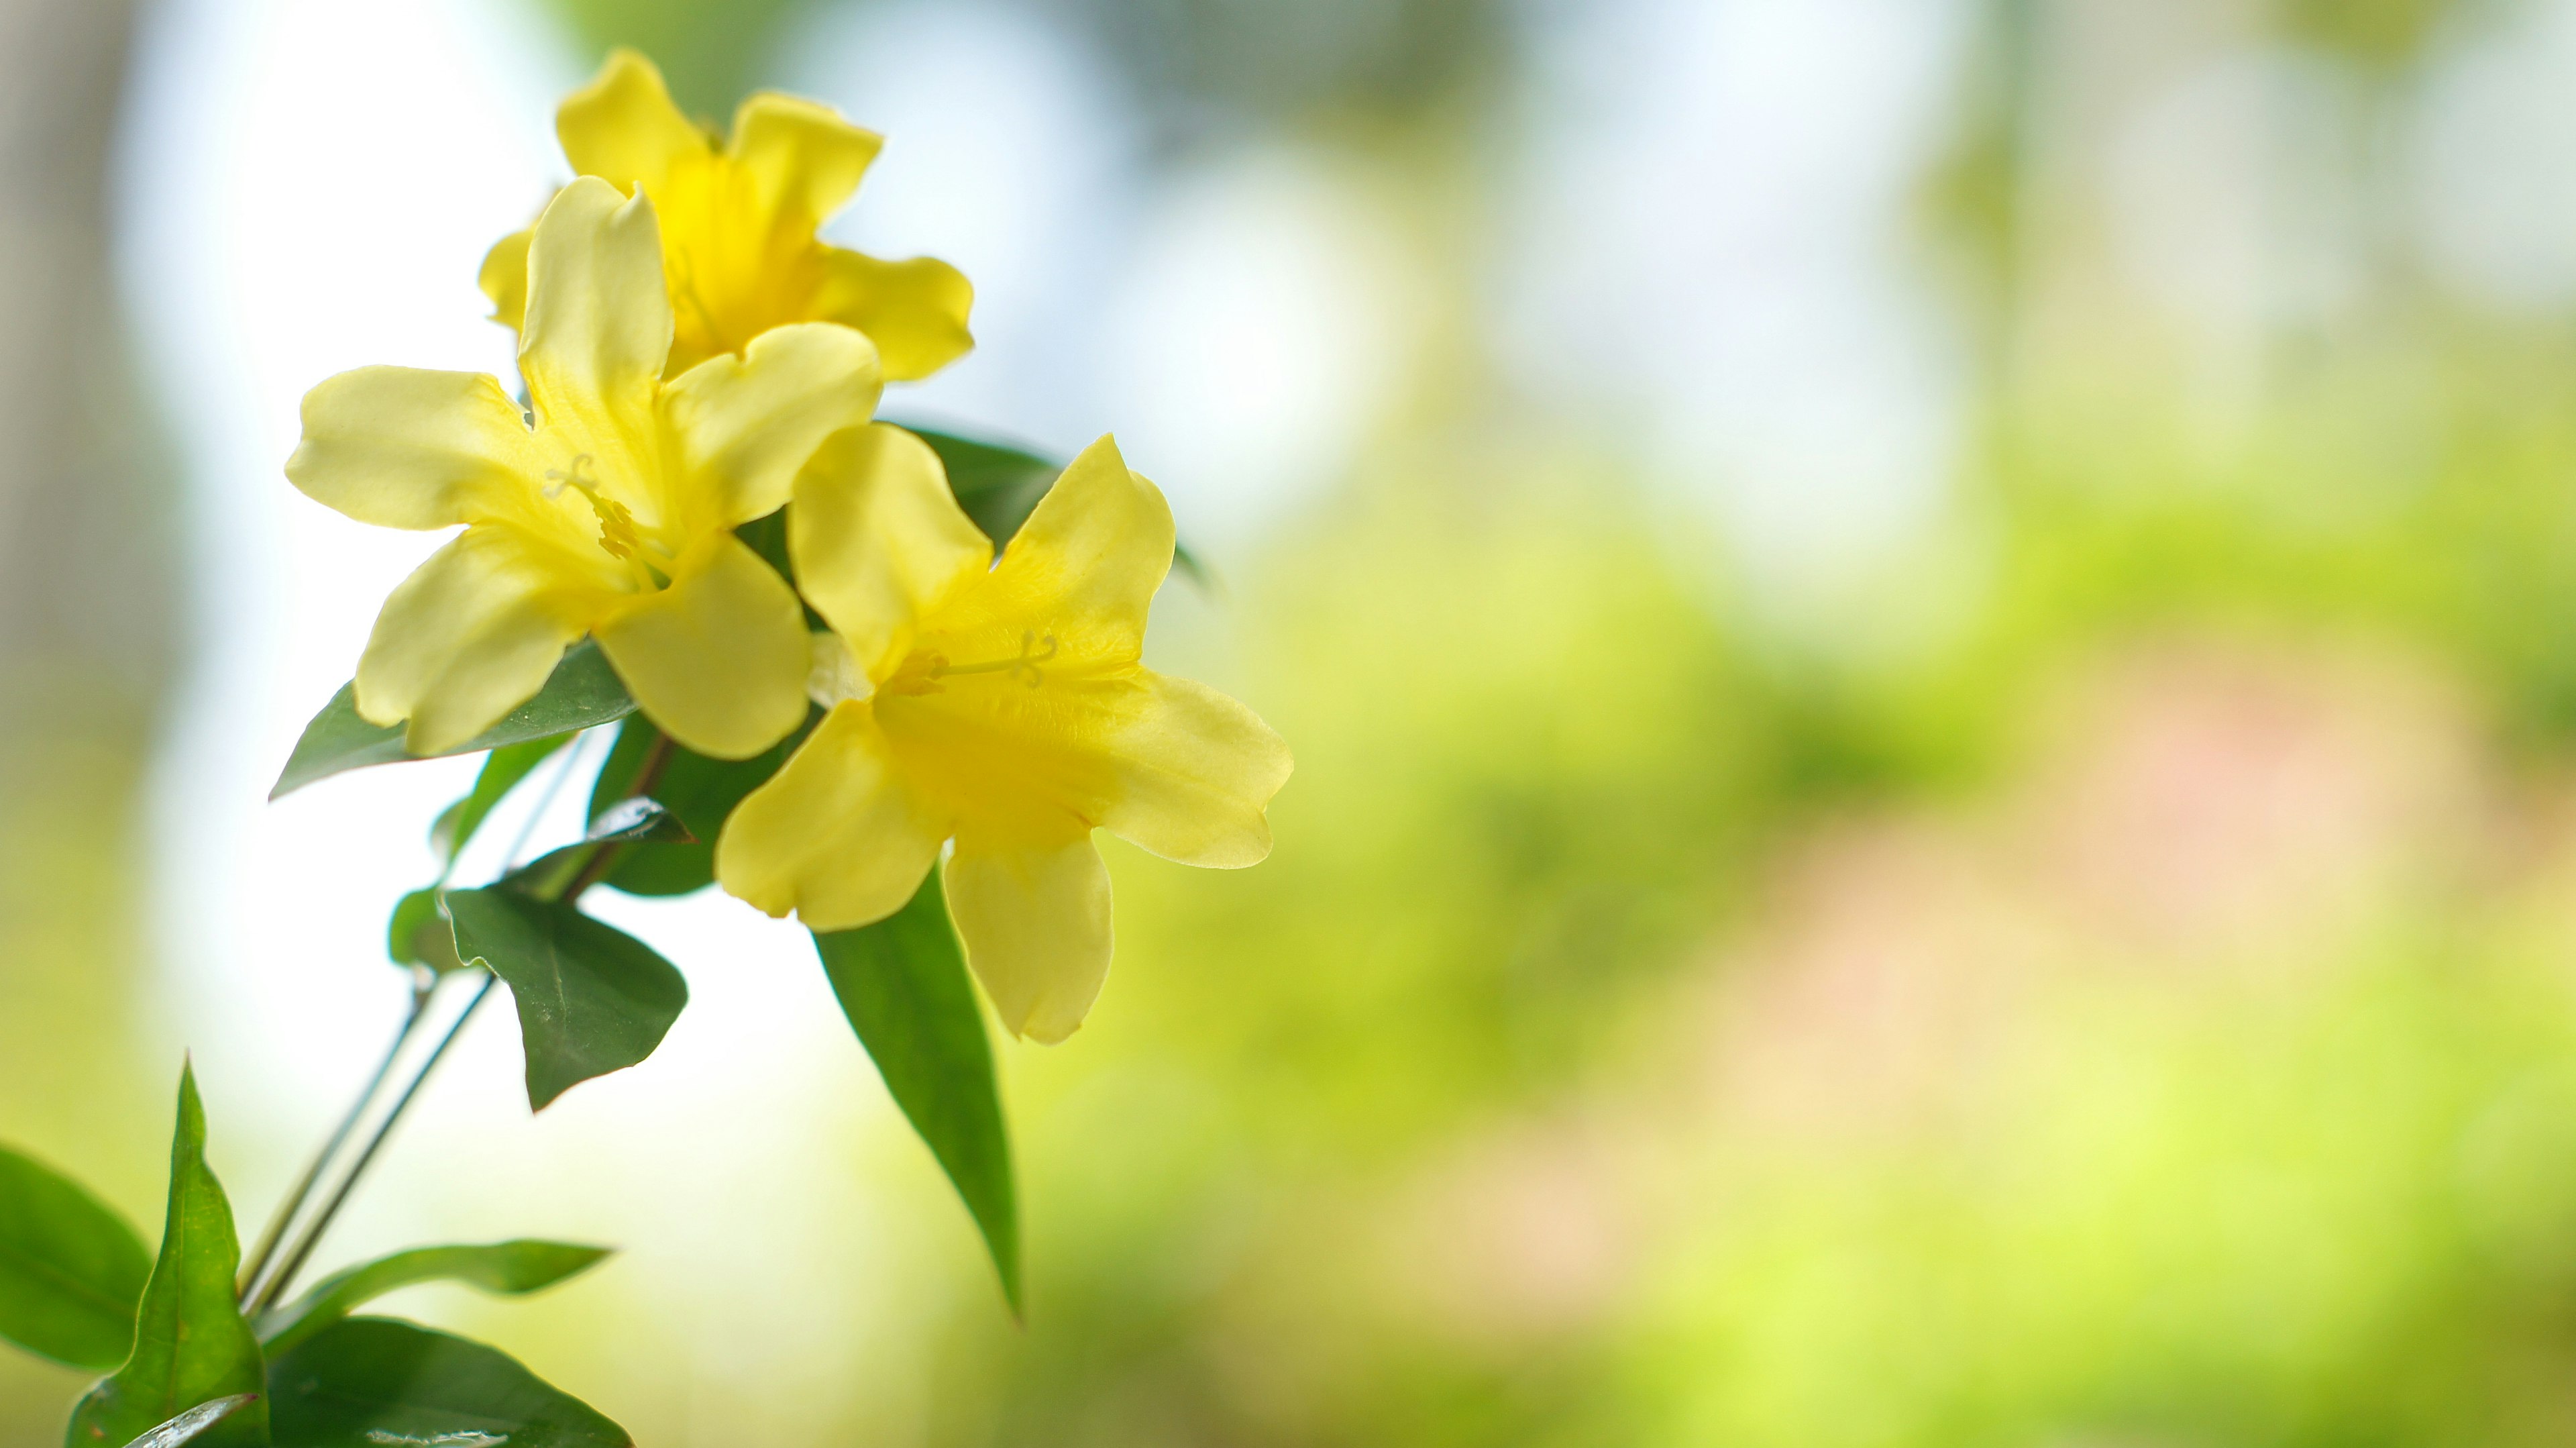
[617, 535]
[1025, 665]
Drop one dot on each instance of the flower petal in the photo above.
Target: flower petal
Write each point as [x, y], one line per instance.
[504, 278]
[719, 658]
[879, 541]
[915, 310]
[1195, 771]
[598, 322]
[402, 447]
[1035, 919]
[802, 157]
[834, 835]
[746, 424]
[1085, 565]
[623, 128]
[469, 636]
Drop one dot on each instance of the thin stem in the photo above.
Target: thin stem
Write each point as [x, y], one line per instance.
[645, 778]
[279, 1220]
[312, 1234]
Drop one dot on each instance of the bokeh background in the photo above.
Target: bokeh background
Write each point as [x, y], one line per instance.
[1928, 640]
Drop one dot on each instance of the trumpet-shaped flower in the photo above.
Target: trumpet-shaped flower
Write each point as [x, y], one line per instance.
[738, 223]
[609, 512]
[999, 706]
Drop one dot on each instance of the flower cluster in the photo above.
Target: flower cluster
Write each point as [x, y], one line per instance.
[695, 360]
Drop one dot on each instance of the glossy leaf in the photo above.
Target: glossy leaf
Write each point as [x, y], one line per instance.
[502, 770]
[999, 486]
[592, 999]
[627, 824]
[71, 1270]
[903, 984]
[417, 933]
[583, 691]
[701, 791]
[190, 1344]
[364, 1382]
[193, 1424]
[509, 1268]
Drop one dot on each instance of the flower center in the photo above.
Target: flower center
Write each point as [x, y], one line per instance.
[923, 673]
[618, 537]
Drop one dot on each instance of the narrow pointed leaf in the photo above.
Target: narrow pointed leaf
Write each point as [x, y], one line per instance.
[509, 1268]
[190, 1344]
[502, 770]
[192, 1425]
[582, 691]
[701, 791]
[903, 984]
[364, 1382]
[71, 1270]
[592, 999]
[999, 486]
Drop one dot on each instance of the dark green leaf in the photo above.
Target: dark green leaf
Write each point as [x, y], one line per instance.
[626, 824]
[503, 768]
[417, 934]
[583, 691]
[190, 1343]
[701, 791]
[591, 999]
[71, 1270]
[365, 1382]
[903, 984]
[193, 1424]
[510, 1268]
[999, 486]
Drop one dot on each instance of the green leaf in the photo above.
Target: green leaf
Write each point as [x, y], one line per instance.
[368, 1381]
[510, 1268]
[701, 791]
[903, 984]
[190, 1343]
[999, 486]
[625, 825]
[193, 1424]
[503, 768]
[592, 999]
[71, 1270]
[582, 691]
[417, 933]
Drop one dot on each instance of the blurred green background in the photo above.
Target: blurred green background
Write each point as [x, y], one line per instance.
[2088, 961]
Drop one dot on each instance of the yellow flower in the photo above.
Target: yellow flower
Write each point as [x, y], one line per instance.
[738, 224]
[612, 515]
[1000, 706]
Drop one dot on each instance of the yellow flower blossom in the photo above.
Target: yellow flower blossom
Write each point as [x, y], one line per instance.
[738, 223]
[1001, 706]
[610, 512]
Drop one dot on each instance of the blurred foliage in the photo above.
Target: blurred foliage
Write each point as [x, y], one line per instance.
[710, 54]
[2382, 34]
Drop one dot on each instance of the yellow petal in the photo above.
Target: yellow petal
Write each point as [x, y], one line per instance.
[401, 447]
[879, 541]
[622, 126]
[803, 159]
[835, 835]
[1195, 771]
[915, 311]
[598, 323]
[469, 636]
[504, 278]
[1035, 920]
[1084, 566]
[746, 424]
[719, 658]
